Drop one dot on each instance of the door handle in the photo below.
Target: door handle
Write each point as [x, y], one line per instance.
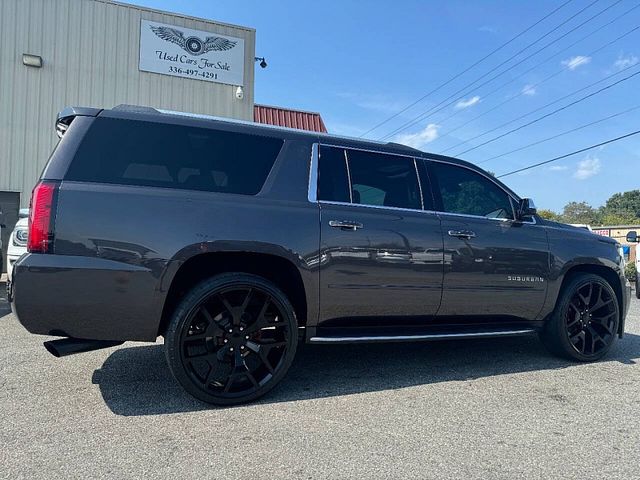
[466, 234]
[345, 224]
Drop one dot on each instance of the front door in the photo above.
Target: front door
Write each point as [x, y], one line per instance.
[380, 250]
[495, 268]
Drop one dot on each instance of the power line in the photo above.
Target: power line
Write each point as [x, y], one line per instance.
[465, 70]
[571, 94]
[562, 134]
[542, 107]
[457, 112]
[581, 99]
[569, 154]
[442, 105]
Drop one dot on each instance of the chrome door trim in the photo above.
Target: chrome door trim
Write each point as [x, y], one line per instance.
[379, 207]
[409, 338]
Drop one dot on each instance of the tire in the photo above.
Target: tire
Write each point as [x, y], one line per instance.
[637, 285]
[231, 339]
[584, 324]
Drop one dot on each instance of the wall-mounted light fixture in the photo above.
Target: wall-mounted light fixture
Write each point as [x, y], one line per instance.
[32, 60]
[263, 62]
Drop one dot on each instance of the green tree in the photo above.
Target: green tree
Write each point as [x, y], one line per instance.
[549, 214]
[580, 212]
[625, 207]
[618, 219]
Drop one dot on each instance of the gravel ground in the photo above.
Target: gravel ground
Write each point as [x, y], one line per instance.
[500, 408]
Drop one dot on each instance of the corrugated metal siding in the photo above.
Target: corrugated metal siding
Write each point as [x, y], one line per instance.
[288, 118]
[90, 51]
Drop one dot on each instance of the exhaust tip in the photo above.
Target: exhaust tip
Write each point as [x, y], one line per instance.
[70, 346]
[51, 348]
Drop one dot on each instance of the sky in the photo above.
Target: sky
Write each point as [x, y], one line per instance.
[359, 63]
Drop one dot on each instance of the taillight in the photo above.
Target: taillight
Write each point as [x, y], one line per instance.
[42, 217]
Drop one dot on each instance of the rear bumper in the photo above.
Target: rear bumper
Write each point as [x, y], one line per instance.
[83, 297]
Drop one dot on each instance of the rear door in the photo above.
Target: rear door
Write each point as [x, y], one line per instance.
[380, 250]
[494, 266]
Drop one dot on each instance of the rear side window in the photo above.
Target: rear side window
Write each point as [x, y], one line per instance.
[131, 152]
[333, 182]
[383, 180]
[367, 178]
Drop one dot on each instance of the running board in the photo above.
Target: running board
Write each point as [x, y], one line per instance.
[418, 338]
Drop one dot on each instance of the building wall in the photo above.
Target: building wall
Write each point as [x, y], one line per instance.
[90, 52]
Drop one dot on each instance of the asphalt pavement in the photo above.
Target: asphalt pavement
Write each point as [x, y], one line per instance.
[493, 408]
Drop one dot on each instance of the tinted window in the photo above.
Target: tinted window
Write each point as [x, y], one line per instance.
[152, 154]
[466, 192]
[333, 184]
[383, 180]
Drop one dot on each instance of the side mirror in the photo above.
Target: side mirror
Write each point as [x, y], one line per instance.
[632, 236]
[526, 208]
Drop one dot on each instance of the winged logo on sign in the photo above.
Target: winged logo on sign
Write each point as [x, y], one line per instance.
[194, 45]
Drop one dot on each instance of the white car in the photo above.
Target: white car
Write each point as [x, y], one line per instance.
[17, 241]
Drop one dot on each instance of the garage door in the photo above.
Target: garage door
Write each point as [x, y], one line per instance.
[9, 206]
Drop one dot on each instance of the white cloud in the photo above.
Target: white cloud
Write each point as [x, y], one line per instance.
[587, 168]
[529, 90]
[487, 29]
[421, 138]
[625, 62]
[558, 168]
[372, 101]
[468, 103]
[574, 62]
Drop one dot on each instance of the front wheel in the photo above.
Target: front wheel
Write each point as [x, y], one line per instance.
[584, 324]
[637, 285]
[231, 339]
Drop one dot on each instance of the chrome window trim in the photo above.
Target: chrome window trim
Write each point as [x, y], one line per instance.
[322, 144]
[415, 165]
[313, 184]
[350, 183]
[312, 194]
[379, 207]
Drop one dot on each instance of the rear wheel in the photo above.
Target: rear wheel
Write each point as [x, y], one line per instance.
[637, 285]
[585, 321]
[231, 339]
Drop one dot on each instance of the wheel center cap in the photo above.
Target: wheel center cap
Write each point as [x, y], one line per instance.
[236, 338]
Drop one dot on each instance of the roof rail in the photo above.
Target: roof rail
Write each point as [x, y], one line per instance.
[403, 146]
[160, 111]
[123, 107]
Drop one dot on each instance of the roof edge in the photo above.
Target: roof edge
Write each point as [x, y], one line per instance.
[175, 14]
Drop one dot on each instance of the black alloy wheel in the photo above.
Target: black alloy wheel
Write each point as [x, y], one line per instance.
[591, 318]
[585, 323]
[231, 339]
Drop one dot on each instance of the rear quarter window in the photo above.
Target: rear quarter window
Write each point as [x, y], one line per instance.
[132, 152]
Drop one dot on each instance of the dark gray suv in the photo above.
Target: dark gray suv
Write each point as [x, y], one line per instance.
[234, 240]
